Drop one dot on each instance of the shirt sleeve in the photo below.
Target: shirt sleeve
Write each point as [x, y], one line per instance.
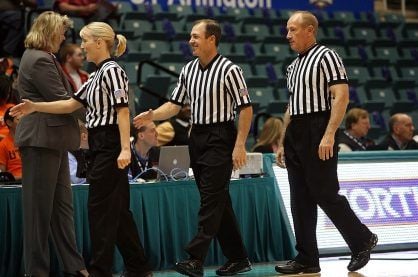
[333, 68]
[3, 154]
[117, 85]
[81, 94]
[237, 87]
[179, 93]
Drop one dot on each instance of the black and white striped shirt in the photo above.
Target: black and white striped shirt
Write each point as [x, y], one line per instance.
[214, 92]
[106, 89]
[309, 77]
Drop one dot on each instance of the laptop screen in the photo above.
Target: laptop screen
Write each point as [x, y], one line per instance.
[174, 162]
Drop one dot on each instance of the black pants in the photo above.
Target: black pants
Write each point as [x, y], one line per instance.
[111, 221]
[211, 160]
[314, 182]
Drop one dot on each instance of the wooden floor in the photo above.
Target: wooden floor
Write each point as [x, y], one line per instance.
[395, 264]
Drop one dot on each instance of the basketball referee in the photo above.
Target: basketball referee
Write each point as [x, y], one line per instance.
[317, 83]
[216, 90]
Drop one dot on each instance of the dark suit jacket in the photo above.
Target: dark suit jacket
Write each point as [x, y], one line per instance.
[389, 144]
[41, 80]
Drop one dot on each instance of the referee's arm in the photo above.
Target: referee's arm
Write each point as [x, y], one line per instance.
[166, 110]
[239, 155]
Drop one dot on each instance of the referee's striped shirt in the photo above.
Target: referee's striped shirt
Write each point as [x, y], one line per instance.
[214, 92]
[106, 89]
[309, 77]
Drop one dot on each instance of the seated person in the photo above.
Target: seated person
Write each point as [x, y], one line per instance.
[268, 140]
[357, 125]
[5, 91]
[9, 153]
[72, 59]
[78, 159]
[401, 134]
[144, 153]
[175, 131]
[89, 10]
[12, 26]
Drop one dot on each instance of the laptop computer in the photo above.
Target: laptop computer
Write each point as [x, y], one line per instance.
[174, 162]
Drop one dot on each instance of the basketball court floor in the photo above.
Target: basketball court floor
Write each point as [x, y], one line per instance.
[394, 264]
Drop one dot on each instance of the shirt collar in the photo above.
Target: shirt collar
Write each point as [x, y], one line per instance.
[103, 62]
[209, 64]
[307, 51]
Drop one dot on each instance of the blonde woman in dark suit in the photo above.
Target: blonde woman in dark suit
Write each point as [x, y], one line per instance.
[43, 140]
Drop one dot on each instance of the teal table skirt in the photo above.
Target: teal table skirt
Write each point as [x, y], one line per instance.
[166, 217]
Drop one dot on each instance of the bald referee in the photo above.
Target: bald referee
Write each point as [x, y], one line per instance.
[216, 91]
[317, 84]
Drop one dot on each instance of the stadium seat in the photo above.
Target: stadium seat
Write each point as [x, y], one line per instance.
[410, 30]
[359, 72]
[407, 69]
[131, 69]
[388, 51]
[159, 85]
[262, 95]
[134, 21]
[366, 33]
[379, 91]
[345, 17]
[392, 20]
[155, 47]
[277, 47]
[260, 30]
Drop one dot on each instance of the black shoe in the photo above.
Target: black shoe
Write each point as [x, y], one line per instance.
[232, 268]
[360, 259]
[192, 268]
[293, 267]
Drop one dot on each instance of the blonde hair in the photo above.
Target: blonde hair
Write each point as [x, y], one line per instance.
[105, 32]
[46, 28]
[271, 132]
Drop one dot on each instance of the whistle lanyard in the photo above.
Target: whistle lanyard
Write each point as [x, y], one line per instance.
[142, 166]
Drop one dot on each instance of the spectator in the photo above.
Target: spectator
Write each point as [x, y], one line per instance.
[71, 57]
[12, 29]
[175, 131]
[145, 154]
[268, 140]
[89, 10]
[10, 70]
[5, 91]
[357, 125]
[9, 153]
[78, 159]
[401, 134]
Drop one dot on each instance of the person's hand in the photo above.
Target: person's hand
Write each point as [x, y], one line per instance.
[22, 109]
[143, 118]
[280, 159]
[326, 147]
[239, 157]
[124, 158]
